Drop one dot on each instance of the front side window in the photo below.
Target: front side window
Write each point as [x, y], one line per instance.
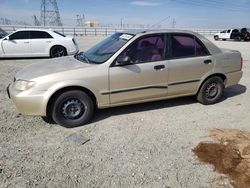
[228, 31]
[186, 46]
[40, 35]
[107, 48]
[20, 35]
[146, 49]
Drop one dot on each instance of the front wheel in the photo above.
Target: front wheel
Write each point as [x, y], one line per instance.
[216, 37]
[211, 91]
[72, 109]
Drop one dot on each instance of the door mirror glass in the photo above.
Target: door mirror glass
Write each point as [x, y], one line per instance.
[7, 38]
[123, 60]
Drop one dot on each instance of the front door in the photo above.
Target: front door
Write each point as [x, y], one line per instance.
[145, 76]
[18, 44]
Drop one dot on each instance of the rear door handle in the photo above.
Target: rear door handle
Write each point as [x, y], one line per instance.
[159, 67]
[208, 61]
[26, 42]
[48, 41]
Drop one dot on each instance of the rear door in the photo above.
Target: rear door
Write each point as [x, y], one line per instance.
[40, 43]
[189, 62]
[18, 44]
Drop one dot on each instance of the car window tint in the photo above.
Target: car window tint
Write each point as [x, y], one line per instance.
[228, 31]
[40, 35]
[20, 35]
[183, 46]
[146, 49]
[200, 49]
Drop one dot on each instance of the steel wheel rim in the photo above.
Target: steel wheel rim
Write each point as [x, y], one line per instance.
[212, 90]
[73, 109]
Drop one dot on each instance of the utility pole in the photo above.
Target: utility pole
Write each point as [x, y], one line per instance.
[173, 23]
[122, 22]
[50, 15]
[36, 21]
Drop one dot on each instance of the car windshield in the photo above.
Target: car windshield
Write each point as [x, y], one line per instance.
[59, 33]
[105, 49]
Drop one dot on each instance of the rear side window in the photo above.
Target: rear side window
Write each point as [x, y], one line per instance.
[186, 46]
[20, 35]
[40, 35]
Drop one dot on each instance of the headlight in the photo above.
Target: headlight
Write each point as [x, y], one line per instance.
[24, 85]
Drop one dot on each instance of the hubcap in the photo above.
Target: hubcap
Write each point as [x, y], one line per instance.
[212, 90]
[73, 109]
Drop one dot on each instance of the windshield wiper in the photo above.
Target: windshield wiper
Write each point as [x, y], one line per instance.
[82, 57]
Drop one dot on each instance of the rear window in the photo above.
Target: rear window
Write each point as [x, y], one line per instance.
[40, 35]
[184, 45]
[59, 33]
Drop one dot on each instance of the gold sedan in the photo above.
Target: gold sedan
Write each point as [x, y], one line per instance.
[126, 68]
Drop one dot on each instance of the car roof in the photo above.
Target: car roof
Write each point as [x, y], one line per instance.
[154, 31]
[34, 29]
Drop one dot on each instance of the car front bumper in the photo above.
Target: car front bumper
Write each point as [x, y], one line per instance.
[27, 102]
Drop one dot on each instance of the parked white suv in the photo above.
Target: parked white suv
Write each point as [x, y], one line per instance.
[37, 43]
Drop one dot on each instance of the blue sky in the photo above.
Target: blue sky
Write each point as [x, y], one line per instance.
[187, 13]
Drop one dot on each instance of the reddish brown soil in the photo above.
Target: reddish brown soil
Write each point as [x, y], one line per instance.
[230, 155]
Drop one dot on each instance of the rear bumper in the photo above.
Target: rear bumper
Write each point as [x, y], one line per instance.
[233, 78]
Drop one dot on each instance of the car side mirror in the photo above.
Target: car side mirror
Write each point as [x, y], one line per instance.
[7, 38]
[123, 60]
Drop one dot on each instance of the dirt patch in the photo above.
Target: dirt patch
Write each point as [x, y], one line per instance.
[230, 155]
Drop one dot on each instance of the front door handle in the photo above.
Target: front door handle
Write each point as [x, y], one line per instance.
[159, 67]
[26, 42]
[208, 61]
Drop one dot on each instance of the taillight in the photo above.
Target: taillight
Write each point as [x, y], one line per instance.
[241, 63]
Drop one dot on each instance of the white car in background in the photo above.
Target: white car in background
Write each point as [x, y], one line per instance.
[37, 43]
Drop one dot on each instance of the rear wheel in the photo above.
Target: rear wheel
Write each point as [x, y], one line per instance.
[58, 51]
[72, 109]
[216, 37]
[211, 91]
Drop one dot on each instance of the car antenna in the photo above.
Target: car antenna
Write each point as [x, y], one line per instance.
[157, 23]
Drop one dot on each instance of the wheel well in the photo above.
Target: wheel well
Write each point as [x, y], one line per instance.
[57, 93]
[222, 76]
[57, 46]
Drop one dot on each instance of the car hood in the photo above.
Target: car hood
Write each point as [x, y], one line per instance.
[46, 67]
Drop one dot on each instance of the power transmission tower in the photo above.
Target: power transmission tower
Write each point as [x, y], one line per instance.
[50, 15]
[80, 20]
[36, 21]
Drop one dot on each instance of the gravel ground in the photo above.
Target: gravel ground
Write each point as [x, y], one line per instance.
[145, 145]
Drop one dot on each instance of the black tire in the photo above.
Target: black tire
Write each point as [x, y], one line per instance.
[72, 109]
[57, 51]
[239, 38]
[211, 91]
[216, 37]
